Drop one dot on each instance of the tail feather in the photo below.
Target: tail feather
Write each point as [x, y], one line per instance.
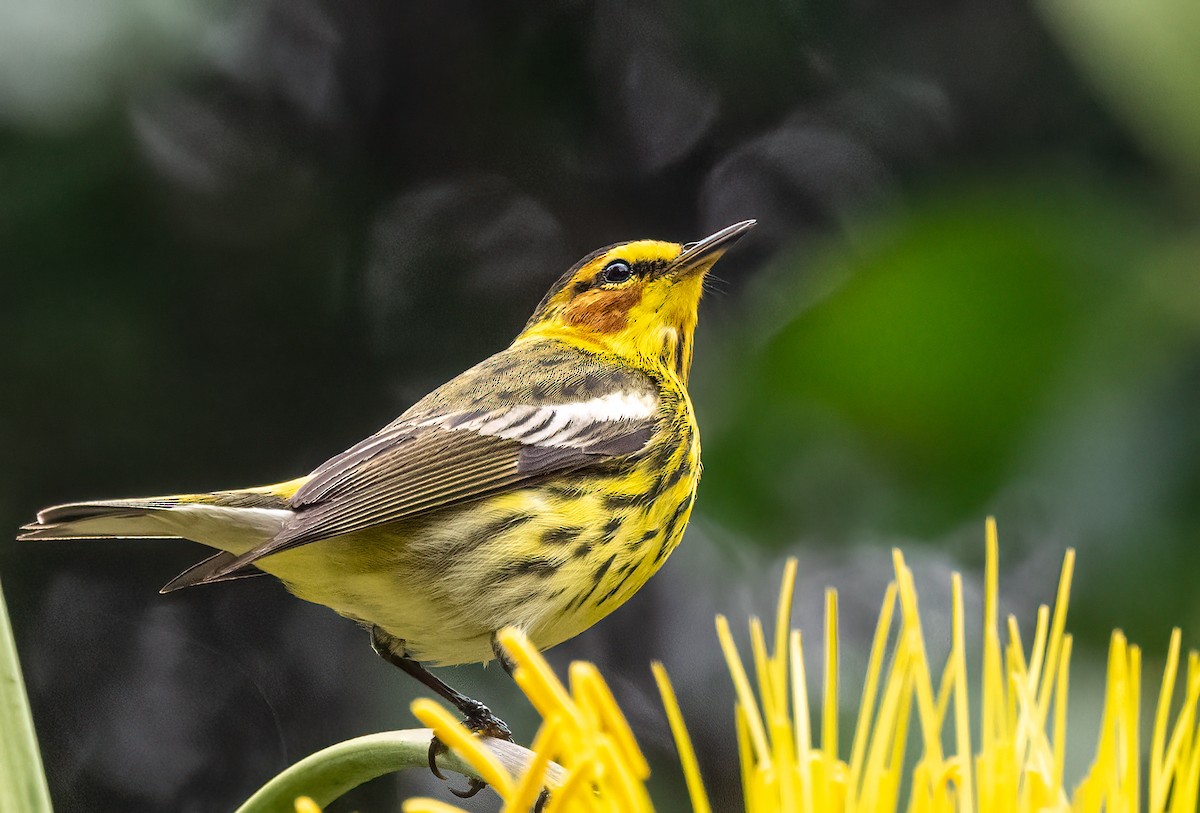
[99, 520]
[230, 521]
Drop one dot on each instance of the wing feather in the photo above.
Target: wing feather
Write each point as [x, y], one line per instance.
[474, 437]
[204, 573]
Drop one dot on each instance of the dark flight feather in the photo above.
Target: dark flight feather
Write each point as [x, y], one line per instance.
[202, 573]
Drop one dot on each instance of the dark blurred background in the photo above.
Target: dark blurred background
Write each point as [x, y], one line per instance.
[237, 237]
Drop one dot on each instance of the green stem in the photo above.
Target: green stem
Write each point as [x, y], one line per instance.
[327, 774]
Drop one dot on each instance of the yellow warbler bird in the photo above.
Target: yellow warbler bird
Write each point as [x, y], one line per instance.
[540, 489]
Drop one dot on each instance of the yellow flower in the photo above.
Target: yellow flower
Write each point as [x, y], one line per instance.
[1021, 732]
[583, 731]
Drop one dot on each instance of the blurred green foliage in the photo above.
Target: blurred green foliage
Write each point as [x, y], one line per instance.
[921, 360]
[1143, 58]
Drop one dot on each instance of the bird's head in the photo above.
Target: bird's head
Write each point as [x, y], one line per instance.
[637, 300]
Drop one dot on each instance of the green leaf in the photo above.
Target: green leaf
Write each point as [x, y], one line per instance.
[22, 780]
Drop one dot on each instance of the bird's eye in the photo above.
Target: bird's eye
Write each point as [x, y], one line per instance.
[617, 271]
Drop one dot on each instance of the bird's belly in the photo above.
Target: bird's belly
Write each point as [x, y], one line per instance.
[551, 560]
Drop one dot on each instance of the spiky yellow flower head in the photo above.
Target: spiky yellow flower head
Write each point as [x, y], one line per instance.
[583, 731]
[1011, 761]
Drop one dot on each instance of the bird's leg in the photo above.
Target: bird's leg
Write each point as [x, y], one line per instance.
[476, 716]
[507, 663]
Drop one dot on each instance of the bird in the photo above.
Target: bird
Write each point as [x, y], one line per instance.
[539, 489]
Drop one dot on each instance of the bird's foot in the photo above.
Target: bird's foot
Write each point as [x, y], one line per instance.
[478, 719]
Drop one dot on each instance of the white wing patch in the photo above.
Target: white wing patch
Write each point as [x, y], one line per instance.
[571, 425]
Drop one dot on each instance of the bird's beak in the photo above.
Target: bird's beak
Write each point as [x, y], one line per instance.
[700, 256]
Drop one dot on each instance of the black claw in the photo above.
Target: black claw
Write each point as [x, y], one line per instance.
[475, 785]
[542, 798]
[435, 748]
[479, 720]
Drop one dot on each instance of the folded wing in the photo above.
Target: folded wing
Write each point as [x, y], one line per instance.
[481, 434]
